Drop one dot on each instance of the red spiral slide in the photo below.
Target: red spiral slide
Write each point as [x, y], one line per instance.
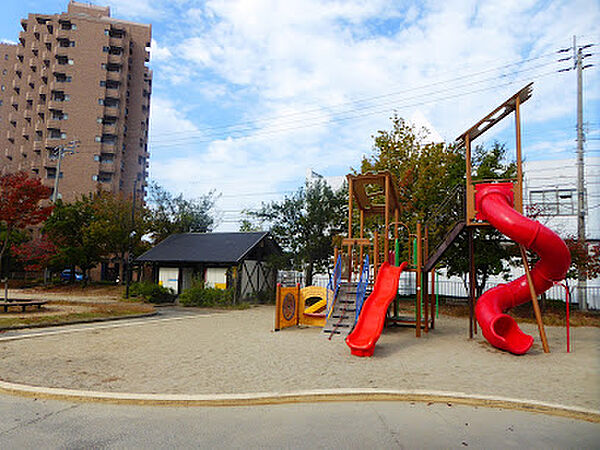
[494, 205]
[363, 338]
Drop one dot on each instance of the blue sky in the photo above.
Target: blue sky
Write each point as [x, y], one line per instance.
[248, 94]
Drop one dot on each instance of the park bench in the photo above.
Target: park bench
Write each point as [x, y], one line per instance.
[23, 304]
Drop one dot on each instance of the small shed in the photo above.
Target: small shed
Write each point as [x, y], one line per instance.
[238, 261]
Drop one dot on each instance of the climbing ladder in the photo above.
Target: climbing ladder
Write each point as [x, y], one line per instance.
[341, 321]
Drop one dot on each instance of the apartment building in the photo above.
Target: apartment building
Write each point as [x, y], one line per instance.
[77, 76]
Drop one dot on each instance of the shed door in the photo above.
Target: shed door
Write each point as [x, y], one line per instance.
[216, 277]
[169, 277]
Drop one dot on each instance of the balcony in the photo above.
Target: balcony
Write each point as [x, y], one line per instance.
[37, 146]
[62, 34]
[116, 40]
[24, 24]
[108, 166]
[113, 76]
[16, 84]
[10, 135]
[55, 104]
[48, 38]
[27, 114]
[108, 147]
[32, 62]
[114, 59]
[35, 46]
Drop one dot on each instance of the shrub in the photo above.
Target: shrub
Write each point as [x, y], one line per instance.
[152, 293]
[198, 295]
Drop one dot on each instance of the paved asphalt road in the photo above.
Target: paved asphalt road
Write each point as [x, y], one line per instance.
[34, 423]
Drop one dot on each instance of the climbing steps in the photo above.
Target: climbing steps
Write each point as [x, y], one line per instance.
[341, 320]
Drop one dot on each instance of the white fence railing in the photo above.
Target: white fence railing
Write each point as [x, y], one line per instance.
[454, 288]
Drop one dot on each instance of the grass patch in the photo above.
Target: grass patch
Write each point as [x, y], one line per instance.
[86, 312]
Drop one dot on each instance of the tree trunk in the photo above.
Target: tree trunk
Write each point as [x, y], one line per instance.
[3, 250]
[309, 273]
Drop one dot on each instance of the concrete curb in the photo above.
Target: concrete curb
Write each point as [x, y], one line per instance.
[79, 322]
[313, 396]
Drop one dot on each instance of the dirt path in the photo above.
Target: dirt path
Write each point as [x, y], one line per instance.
[236, 352]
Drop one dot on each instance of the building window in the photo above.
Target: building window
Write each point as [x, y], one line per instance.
[553, 202]
[102, 83]
[105, 49]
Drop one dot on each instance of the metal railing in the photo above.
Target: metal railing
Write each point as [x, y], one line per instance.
[334, 285]
[361, 289]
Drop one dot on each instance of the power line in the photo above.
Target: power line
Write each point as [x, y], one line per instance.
[364, 114]
[192, 136]
[365, 99]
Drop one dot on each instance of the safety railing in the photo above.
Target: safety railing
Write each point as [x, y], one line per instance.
[334, 284]
[361, 289]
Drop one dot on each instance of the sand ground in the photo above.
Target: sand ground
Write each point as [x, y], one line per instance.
[236, 352]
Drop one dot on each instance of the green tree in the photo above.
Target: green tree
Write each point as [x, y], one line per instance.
[113, 228]
[169, 214]
[493, 252]
[305, 223]
[68, 227]
[424, 172]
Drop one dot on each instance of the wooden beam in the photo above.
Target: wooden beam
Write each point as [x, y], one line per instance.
[534, 301]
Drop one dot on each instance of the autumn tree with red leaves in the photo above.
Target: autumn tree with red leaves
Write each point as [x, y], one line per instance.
[35, 254]
[585, 259]
[20, 198]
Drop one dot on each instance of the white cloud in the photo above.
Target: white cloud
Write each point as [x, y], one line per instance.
[311, 81]
[159, 53]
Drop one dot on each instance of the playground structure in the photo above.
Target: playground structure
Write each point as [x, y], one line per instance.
[292, 310]
[494, 203]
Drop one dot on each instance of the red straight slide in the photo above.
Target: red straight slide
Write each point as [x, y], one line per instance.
[363, 338]
[501, 330]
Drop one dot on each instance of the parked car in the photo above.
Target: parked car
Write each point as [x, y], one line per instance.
[65, 275]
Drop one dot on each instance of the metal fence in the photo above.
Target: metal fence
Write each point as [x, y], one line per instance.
[454, 289]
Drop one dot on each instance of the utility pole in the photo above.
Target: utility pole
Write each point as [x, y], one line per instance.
[128, 272]
[581, 282]
[59, 152]
[578, 66]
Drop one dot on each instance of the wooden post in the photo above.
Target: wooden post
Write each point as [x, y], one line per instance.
[432, 299]
[350, 199]
[419, 269]
[471, 281]
[425, 294]
[386, 241]
[534, 301]
[376, 253]
[278, 307]
[518, 189]
[362, 235]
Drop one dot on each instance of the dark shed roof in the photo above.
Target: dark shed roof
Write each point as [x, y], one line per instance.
[209, 247]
